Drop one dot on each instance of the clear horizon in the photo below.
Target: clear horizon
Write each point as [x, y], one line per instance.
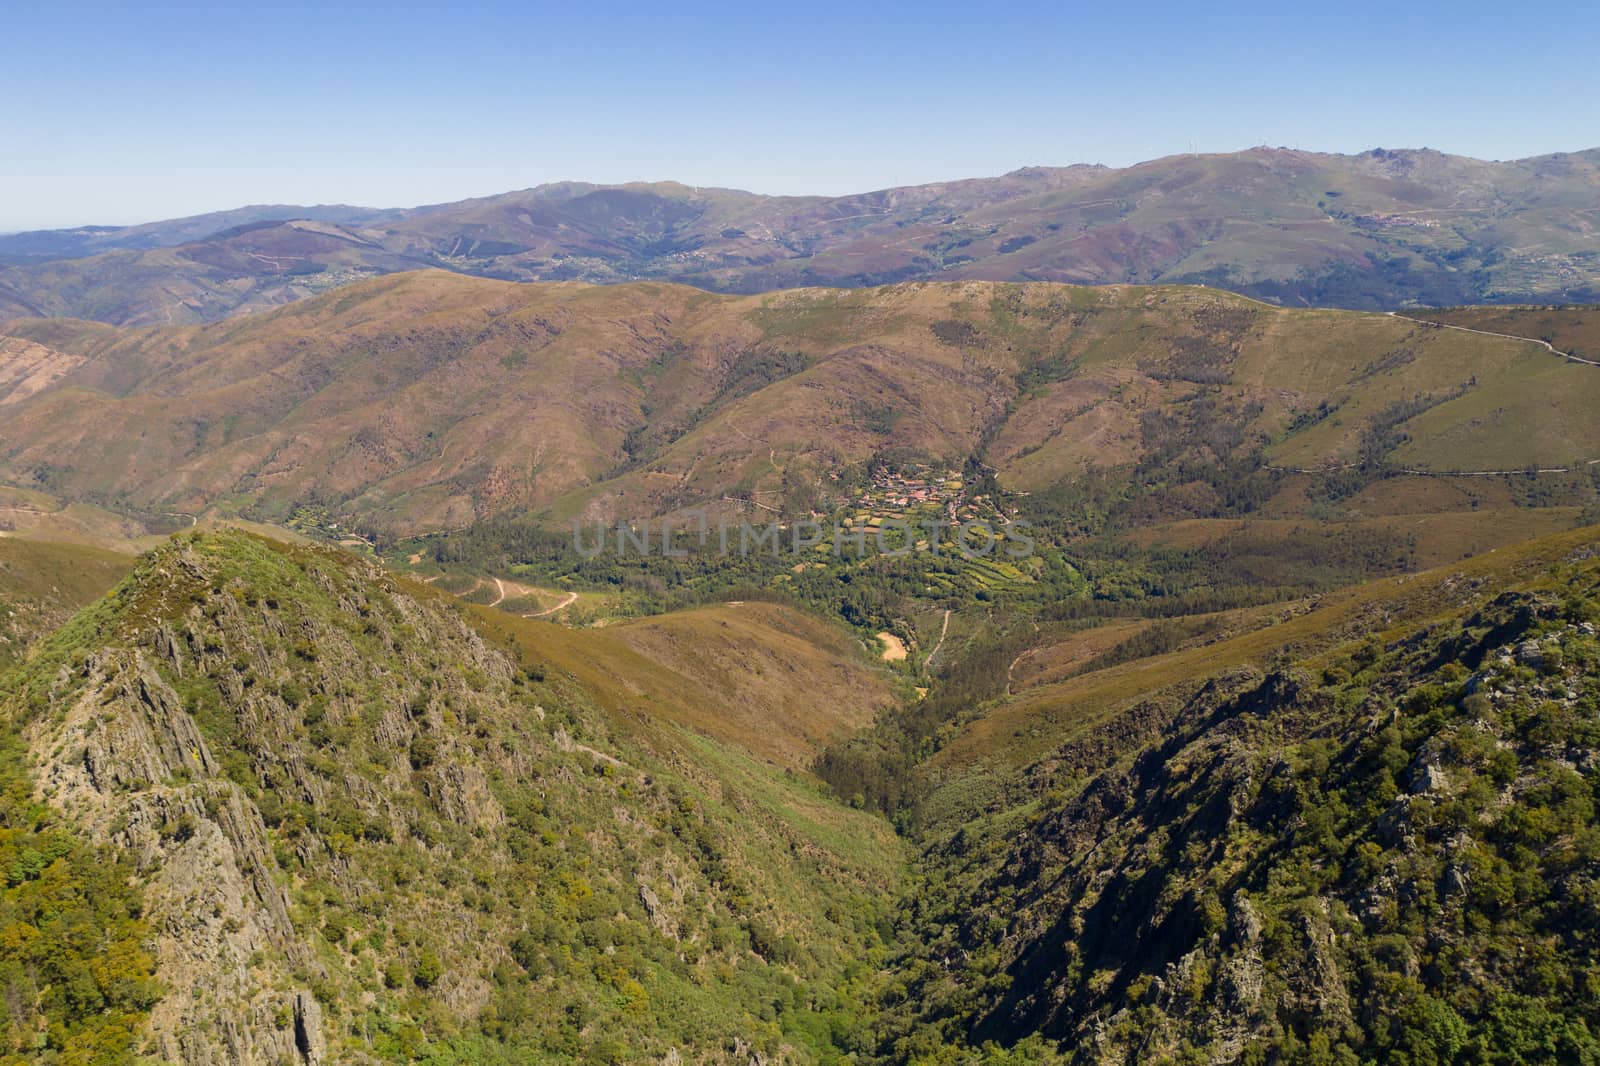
[120, 116]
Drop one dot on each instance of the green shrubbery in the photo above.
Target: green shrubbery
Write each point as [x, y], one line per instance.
[1401, 846]
[76, 976]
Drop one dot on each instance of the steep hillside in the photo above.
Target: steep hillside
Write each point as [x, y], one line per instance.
[427, 401]
[310, 814]
[768, 679]
[1376, 230]
[1365, 833]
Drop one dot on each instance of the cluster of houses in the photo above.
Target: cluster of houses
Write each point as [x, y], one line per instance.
[1396, 220]
[925, 492]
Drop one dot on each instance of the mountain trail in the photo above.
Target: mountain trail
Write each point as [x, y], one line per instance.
[943, 630]
[1546, 345]
[572, 598]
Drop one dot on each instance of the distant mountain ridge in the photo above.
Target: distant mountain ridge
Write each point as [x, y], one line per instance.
[1377, 230]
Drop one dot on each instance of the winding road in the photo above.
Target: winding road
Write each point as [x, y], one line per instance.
[572, 598]
[500, 587]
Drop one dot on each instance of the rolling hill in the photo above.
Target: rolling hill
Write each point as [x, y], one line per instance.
[429, 401]
[1382, 229]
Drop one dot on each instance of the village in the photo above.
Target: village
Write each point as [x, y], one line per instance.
[918, 494]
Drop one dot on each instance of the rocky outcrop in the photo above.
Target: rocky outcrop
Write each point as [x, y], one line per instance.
[1354, 856]
[135, 773]
[124, 757]
[354, 829]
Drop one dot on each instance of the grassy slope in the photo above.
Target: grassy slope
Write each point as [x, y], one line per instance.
[1575, 330]
[42, 584]
[767, 679]
[36, 515]
[1441, 537]
[1571, 329]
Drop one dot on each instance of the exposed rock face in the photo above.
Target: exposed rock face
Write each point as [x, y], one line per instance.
[350, 819]
[1429, 778]
[127, 762]
[136, 773]
[308, 1029]
[1530, 654]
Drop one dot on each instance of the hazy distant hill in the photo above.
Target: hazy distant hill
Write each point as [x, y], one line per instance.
[1378, 230]
[89, 240]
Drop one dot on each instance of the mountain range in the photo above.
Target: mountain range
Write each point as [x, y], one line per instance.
[1380, 230]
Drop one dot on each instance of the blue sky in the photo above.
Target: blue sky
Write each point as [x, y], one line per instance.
[124, 113]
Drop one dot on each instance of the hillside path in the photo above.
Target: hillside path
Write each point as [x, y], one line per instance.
[1012, 669]
[942, 631]
[500, 587]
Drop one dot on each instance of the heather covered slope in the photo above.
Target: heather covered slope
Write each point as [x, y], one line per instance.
[1381, 229]
[352, 829]
[428, 401]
